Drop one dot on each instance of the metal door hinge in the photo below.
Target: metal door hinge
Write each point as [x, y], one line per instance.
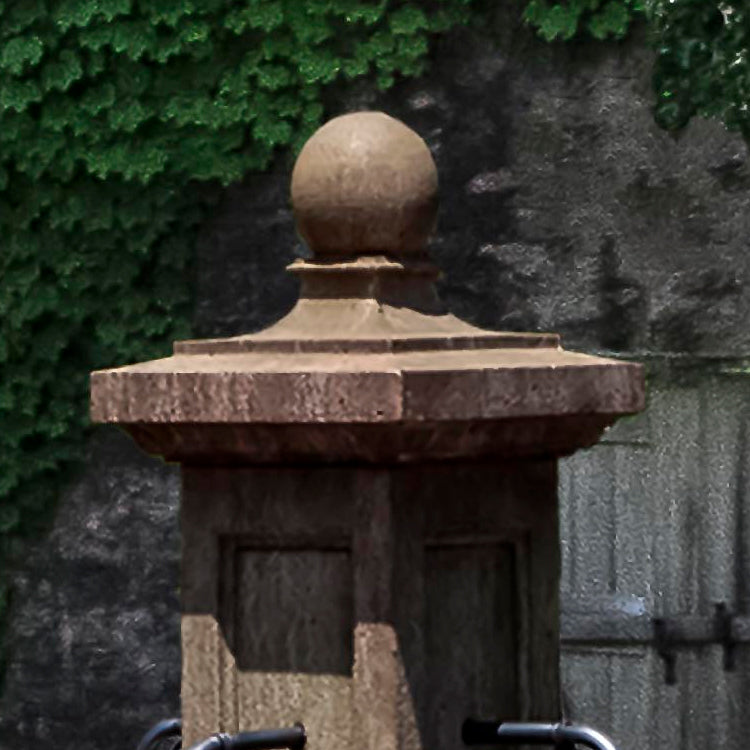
[666, 634]
[670, 633]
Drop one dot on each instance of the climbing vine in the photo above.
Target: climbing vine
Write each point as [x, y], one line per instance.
[703, 63]
[565, 19]
[118, 120]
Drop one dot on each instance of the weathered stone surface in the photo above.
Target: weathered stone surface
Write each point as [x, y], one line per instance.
[93, 643]
[569, 211]
[369, 603]
[473, 384]
[365, 183]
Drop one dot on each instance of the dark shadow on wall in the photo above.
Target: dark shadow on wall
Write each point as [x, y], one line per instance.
[242, 254]
[623, 303]
[705, 301]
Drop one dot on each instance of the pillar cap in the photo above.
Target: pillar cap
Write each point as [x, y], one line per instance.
[365, 184]
[369, 365]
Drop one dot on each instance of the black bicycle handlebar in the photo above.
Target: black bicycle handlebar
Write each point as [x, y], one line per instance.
[475, 732]
[169, 729]
[289, 738]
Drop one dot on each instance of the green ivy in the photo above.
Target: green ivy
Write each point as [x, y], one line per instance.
[703, 63]
[566, 19]
[118, 120]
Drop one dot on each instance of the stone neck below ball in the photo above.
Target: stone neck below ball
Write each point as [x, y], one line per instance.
[367, 304]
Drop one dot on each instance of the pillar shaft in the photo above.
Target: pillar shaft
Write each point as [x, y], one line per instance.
[370, 539]
[378, 606]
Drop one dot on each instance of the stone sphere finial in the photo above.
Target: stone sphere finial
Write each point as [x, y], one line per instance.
[365, 184]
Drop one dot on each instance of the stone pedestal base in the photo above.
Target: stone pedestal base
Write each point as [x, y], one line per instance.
[380, 607]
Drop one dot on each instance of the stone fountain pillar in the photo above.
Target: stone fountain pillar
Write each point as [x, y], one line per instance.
[369, 514]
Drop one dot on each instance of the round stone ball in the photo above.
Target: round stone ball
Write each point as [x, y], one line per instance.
[365, 184]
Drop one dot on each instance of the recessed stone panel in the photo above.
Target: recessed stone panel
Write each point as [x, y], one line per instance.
[471, 638]
[293, 611]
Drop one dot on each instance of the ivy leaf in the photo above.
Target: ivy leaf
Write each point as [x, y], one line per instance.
[266, 16]
[134, 38]
[317, 65]
[82, 12]
[561, 22]
[312, 114]
[384, 81]
[58, 75]
[271, 131]
[565, 18]
[75, 13]
[356, 66]
[368, 14]
[18, 95]
[96, 37]
[407, 20]
[168, 12]
[22, 15]
[128, 115]
[272, 77]
[19, 52]
[96, 99]
[612, 20]
[308, 28]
